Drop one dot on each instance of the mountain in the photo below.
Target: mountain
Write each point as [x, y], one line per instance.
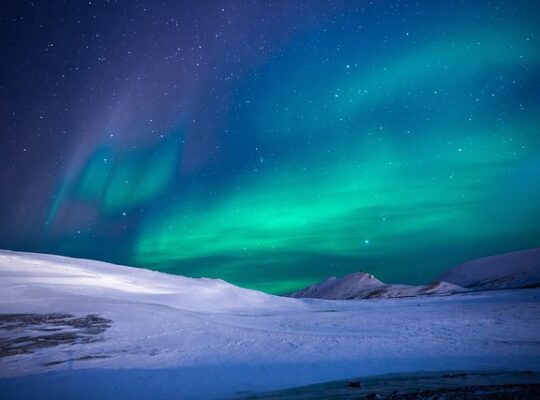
[342, 288]
[518, 269]
[361, 285]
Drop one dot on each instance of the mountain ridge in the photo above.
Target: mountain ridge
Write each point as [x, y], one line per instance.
[519, 269]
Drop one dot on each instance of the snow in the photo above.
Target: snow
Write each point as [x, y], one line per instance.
[177, 337]
[510, 270]
[76, 277]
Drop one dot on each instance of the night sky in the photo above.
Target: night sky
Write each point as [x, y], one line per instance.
[271, 143]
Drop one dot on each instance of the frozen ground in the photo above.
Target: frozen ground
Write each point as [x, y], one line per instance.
[92, 330]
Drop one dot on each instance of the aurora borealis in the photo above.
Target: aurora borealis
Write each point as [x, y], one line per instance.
[271, 144]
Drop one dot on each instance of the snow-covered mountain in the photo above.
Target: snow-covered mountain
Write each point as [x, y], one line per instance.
[343, 288]
[510, 270]
[83, 329]
[361, 285]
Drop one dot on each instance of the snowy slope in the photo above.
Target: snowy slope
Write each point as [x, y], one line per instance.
[361, 285]
[78, 277]
[510, 270]
[89, 330]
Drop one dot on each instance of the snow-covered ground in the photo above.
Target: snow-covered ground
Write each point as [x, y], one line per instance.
[94, 330]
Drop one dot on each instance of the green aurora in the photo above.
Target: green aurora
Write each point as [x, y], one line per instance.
[382, 182]
[391, 137]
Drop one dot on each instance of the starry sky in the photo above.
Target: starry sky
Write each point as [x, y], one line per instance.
[271, 143]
